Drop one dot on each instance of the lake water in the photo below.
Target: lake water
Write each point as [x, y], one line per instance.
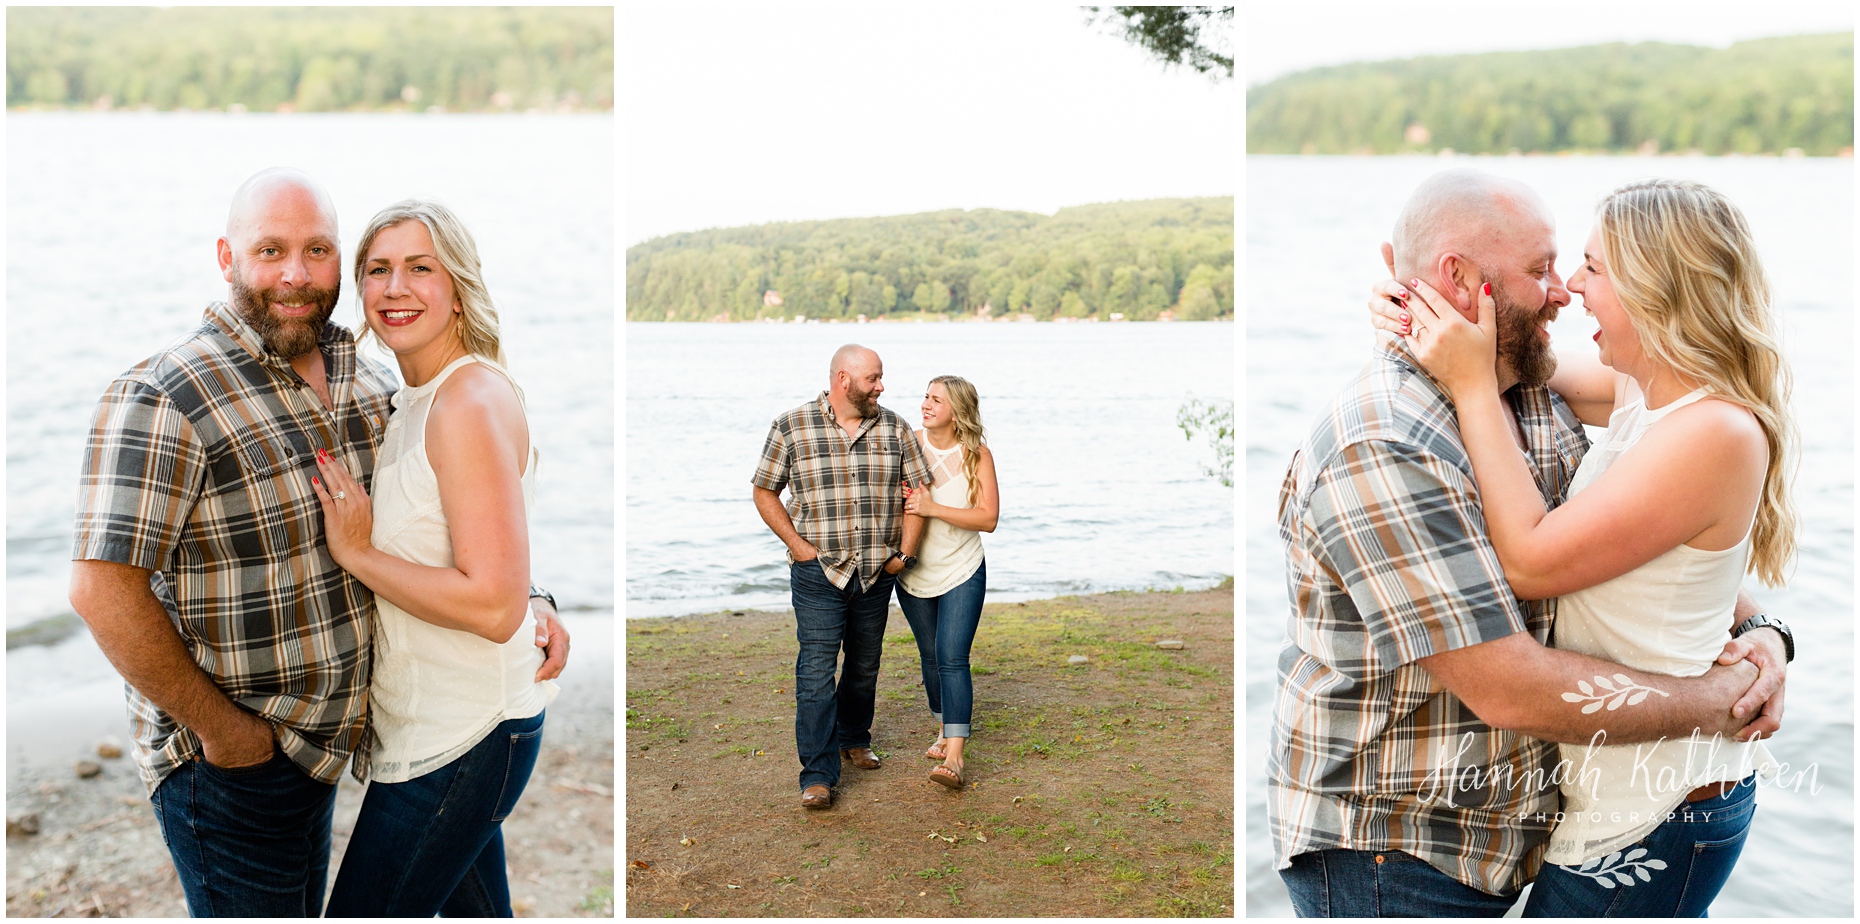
[111, 222]
[1099, 488]
[1312, 229]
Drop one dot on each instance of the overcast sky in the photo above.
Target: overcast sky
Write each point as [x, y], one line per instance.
[1279, 38]
[742, 114]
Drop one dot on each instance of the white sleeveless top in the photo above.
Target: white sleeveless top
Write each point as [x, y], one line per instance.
[1671, 615]
[949, 554]
[435, 692]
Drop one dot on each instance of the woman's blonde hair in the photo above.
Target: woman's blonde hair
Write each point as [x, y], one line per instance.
[965, 409]
[458, 253]
[1685, 267]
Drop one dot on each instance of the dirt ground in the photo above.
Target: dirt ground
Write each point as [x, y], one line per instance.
[98, 851]
[1097, 790]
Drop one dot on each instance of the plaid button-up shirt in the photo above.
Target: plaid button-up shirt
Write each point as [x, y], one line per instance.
[198, 468]
[1388, 562]
[846, 495]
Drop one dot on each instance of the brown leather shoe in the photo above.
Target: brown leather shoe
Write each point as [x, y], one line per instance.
[816, 796]
[863, 758]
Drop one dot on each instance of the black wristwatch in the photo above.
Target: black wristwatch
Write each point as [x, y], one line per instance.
[910, 561]
[1760, 621]
[539, 592]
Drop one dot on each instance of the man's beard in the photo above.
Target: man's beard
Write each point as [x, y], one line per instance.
[287, 337]
[865, 402]
[1519, 346]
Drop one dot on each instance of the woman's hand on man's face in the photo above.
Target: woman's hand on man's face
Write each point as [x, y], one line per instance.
[1461, 354]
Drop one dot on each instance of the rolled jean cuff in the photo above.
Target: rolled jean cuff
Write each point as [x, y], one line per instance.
[938, 716]
[955, 731]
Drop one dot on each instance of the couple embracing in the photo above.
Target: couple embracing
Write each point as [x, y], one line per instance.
[874, 506]
[1513, 656]
[272, 622]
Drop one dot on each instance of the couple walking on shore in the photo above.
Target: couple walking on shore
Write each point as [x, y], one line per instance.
[272, 622]
[873, 505]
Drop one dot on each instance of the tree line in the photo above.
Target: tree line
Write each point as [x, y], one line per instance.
[311, 60]
[1135, 259]
[1760, 96]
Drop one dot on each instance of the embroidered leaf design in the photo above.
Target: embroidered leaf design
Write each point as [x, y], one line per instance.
[1587, 690]
[1624, 878]
[1605, 882]
[1612, 859]
[1656, 864]
[1637, 853]
[1573, 697]
[1604, 682]
[1615, 703]
[1592, 707]
[1636, 698]
[1641, 871]
[1590, 865]
[1624, 680]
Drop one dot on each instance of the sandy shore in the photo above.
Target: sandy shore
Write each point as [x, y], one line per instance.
[98, 851]
[1102, 788]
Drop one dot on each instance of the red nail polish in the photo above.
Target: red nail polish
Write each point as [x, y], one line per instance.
[1404, 320]
[1487, 288]
[1415, 282]
[316, 481]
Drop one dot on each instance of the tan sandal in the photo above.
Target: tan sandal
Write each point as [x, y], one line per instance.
[935, 751]
[945, 775]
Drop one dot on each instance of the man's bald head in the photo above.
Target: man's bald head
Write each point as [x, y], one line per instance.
[282, 260]
[856, 379]
[1468, 212]
[849, 358]
[262, 190]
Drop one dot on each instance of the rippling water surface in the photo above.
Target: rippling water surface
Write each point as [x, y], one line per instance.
[111, 221]
[1099, 488]
[1312, 226]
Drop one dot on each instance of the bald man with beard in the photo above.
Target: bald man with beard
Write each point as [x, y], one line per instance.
[199, 561]
[1412, 770]
[845, 462]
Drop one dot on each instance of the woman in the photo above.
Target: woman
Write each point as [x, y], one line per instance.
[1687, 491]
[942, 594]
[455, 714]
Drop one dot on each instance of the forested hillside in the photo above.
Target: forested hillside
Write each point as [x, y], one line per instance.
[1137, 259]
[311, 60]
[1762, 96]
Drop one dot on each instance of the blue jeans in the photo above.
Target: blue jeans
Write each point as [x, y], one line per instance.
[1698, 847]
[945, 628]
[829, 716]
[1339, 883]
[249, 841]
[434, 844]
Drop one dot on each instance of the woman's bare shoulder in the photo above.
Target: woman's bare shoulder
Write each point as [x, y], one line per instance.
[1719, 428]
[476, 395]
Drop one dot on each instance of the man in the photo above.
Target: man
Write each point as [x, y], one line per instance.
[201, 569]
[845, 461]
[1401, 778]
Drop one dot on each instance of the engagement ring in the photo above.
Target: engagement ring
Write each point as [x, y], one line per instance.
[341, 494]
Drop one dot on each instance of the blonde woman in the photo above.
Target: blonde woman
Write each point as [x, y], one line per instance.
[941, 594]
[1687, 492]
[455, 712]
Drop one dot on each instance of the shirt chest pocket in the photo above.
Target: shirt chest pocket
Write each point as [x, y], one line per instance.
[254, 463]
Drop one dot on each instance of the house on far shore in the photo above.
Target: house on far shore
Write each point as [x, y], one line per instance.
[985, 312]
[1168, 314]
[771, 299]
